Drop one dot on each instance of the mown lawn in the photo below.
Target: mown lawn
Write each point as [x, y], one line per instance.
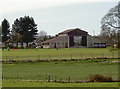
[63, 53]
[53, 84]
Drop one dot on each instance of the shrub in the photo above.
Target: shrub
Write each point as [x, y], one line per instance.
[100, 78]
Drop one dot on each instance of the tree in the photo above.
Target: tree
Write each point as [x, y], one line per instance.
[41, 36]
[0, 34]
[110, 25]
[42, 33]
[5, 31]
[26, 27]
[16, 38]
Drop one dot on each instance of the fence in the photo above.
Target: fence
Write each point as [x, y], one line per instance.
[61, 56]
[50, 78]
[46, 78]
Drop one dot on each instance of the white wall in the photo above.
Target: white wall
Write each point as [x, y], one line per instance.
[60, 42]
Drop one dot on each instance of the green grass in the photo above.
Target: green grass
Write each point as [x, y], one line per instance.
[53, 84]
[77, 70]
[63, 53]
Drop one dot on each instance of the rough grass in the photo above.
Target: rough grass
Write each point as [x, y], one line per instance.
[53, 84]
[63, 53]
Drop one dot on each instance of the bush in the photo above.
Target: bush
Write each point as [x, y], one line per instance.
[100, 78]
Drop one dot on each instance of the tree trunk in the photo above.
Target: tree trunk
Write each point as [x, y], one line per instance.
[27, 44]
[16, 44]
[21, 44]
[5, 44]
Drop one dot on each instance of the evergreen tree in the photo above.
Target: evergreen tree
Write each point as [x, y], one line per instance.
[5, 31]
[26, 27]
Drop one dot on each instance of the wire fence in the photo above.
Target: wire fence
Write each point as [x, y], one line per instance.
[61, 56]
[48, 78]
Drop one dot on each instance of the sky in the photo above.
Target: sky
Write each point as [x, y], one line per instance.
[54, 16]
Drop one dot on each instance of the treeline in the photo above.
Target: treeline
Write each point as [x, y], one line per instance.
[24, 30]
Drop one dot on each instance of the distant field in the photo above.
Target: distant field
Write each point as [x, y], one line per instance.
[63, 53]
[76, 70]
[53, 84]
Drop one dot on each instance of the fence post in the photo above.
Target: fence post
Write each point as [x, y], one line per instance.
[60, 79]
[48, 77]
[55, 79]
[68, 79]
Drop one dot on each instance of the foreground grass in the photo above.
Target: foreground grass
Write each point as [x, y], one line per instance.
[76, 70]
[62, 53]
[53, 84]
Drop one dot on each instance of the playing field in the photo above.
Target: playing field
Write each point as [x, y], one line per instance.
[63, 53]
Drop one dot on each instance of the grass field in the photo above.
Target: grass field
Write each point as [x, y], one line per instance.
[31, 72]
[77, 70]
[53, 84]
[63, 53]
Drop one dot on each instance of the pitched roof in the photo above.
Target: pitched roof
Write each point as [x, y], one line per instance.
[69, 30]
[53, 39]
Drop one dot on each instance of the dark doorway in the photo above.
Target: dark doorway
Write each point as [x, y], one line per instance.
[71, 41]
[54, 45]
[84, 41]
[66, 45]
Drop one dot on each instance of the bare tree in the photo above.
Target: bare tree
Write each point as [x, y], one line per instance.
[0, 34]
[42, 33]
[110, 25]
[16, 37]
[41, 36]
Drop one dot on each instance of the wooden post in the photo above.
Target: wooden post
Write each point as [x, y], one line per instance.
[60, 79]
[55, 79]
[48, 77]
[68, 79]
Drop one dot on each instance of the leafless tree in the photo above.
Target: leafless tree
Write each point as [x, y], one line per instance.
[16, 37]
[110, 25]
[41, 36]
[42, 33]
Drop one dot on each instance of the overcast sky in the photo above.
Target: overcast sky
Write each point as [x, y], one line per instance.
[54, 16]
